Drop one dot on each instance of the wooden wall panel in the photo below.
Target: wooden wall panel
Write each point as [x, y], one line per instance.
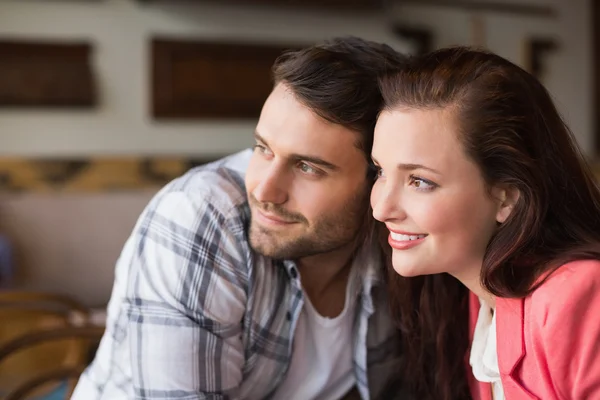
[211, 80]
[44, 74]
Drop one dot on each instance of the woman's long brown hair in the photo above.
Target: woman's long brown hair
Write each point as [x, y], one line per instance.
[510, 127]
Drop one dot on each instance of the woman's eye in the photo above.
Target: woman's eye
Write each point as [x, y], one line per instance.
[422, 184]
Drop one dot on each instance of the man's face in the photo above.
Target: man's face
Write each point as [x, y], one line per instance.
[307, 181]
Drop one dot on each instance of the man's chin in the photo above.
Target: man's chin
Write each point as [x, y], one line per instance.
[264, 243]
[269, 250]
[275, 247]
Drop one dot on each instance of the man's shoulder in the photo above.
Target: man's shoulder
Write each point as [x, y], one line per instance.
[219, 183]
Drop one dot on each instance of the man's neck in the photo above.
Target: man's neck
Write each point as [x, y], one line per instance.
[325, 278]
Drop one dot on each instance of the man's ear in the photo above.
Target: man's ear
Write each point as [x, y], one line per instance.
[506, 197]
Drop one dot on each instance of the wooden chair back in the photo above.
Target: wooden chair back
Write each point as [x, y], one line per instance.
[43, 382]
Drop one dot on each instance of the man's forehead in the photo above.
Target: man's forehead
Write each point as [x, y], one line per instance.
[290, 127]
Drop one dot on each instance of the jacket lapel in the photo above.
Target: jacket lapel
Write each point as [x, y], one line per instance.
[479, 390]
[510, 340]
[509, 333]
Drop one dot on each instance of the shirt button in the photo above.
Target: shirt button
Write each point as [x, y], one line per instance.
[288, 316]
[294, 273]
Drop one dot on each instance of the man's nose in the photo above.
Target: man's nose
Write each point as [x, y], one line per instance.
[272, 187]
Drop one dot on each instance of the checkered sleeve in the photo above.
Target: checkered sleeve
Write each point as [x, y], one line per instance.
[186, 299]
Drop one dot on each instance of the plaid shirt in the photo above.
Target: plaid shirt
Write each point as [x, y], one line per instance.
[196, 314]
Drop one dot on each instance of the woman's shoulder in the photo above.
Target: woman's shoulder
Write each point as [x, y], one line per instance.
[568, 286]
[570, 275]
[564, 332]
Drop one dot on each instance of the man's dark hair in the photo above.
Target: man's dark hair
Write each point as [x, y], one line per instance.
[338, 80]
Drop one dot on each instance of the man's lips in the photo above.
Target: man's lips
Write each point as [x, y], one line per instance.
[272, 219]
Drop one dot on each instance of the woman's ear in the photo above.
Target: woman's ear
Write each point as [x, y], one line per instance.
[507, 197]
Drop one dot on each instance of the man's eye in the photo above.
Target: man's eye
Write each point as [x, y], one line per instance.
[259, 148]
[307, 169]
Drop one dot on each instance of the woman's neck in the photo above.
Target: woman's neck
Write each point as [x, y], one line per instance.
[471, 278]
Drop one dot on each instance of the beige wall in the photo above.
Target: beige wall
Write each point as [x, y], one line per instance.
[120, 31]
[568, 74]
[69, 243]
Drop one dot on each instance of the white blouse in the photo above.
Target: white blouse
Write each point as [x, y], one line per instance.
[484, 355]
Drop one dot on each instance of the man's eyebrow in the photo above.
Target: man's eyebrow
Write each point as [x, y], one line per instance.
[259, 138]
[302, 157]
[315, 160]
[410, 166]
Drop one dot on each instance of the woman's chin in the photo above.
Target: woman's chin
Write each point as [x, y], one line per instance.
[406, 271]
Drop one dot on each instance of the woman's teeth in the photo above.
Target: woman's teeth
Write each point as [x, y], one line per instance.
[403, 238]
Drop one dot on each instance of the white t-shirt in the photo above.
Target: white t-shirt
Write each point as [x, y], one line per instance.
[321, 366]
[484, 354]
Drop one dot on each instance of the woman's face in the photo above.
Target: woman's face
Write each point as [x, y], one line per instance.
[431, 196]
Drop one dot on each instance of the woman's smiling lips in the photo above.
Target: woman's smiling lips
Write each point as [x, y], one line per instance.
[405, 240]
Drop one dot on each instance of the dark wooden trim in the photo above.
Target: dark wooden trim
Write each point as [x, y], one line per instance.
[538, 48]
[43, 49]
[504, 7]
[327, 5]
[421, 37]
[49, 335]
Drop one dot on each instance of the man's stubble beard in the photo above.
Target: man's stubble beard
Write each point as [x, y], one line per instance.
[327, 234]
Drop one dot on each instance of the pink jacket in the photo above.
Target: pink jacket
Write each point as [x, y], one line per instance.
[549, 343]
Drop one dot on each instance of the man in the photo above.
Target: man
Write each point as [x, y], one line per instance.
[267, 287]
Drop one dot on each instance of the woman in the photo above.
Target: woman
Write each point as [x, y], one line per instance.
[482, 187]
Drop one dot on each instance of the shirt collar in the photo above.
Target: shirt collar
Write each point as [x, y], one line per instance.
[367, 270]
